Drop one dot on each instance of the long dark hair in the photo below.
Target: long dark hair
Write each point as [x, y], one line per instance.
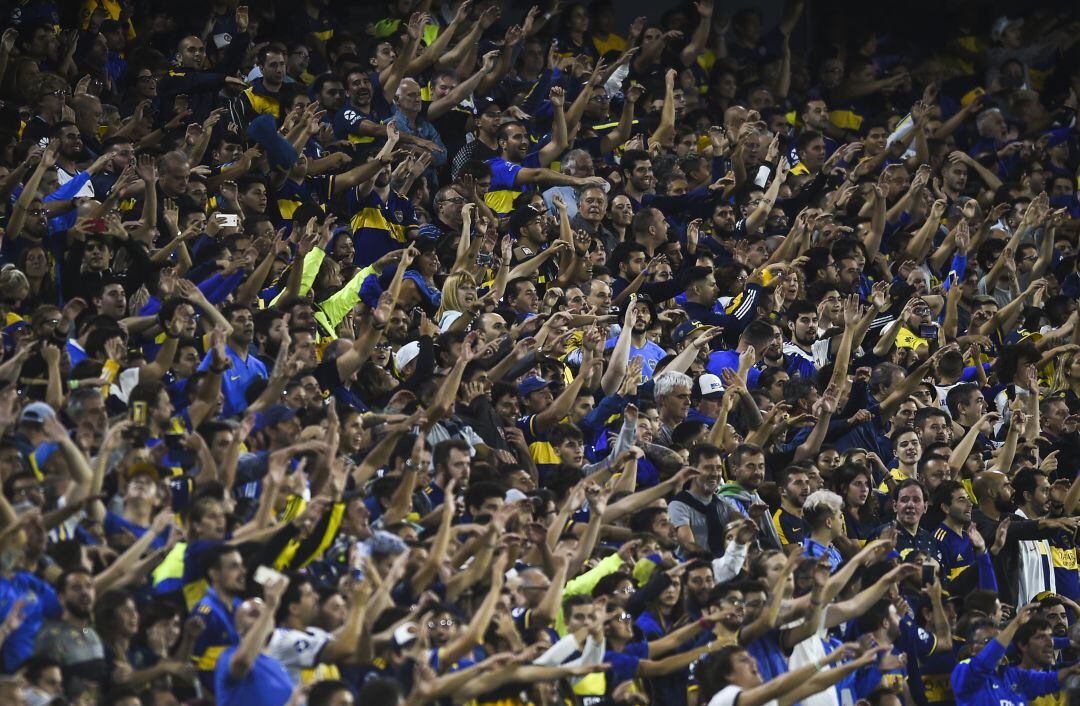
[714, 673]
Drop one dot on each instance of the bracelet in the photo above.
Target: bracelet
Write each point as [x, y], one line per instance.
[377, 326]
[817, 665]
[218, 371]
[703, 623]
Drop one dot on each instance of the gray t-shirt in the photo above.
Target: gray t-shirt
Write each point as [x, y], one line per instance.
[680, 514]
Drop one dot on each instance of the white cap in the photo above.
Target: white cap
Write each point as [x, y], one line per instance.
[406, 354]
[709, 385]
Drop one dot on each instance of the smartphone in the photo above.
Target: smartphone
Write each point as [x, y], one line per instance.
[927, 574]
[928, 331]
[264, 575]
[174, 441]
[229, 220]
[138, 413]
[96, 226]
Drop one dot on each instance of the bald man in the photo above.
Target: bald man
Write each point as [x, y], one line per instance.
[994, 498]
[190, 78]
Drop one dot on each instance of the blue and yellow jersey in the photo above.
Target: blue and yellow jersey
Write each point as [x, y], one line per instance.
[219, 635]
[379, 227]
[291, 195]
[543, 453]
[347, 123]
[256, 100]
[504, 187]
[957, 551]
[789, 527]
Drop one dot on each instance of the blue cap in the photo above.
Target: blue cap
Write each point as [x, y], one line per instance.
[531, 384]
[683, 330]
[1057, 137]
[274, 415]
[429, 231]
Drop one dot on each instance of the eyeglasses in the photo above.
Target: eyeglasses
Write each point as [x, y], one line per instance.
[453, 200]
[441, 624]
[599, 99]
[736, 602]
[624, 617]
[625, 589]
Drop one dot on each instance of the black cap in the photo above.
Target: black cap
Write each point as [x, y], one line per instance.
[520, 217]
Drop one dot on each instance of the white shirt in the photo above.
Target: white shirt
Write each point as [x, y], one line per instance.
[1036, 568]
[298, 649]
[728, 695]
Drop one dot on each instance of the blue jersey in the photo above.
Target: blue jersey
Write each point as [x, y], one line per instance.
[266, 684]
[219, 635]
[980, 682]
[40, 604]
[650, 354]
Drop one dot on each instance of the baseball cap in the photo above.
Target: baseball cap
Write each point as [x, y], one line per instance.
[709, 386]
[1003, 23]
[484, 103]
[274, 415]
[406, 354]
[144, 469]
[1057, 137]
[520, 217]
[36, 413]
[683, 330]
[531, 384]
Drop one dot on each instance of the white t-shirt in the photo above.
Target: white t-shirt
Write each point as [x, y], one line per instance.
[298, 649]
[728, 696]
[810, 651]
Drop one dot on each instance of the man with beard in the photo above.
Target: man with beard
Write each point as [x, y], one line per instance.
[516, 169]
[329, 91]
[640, 318]
[747, 468]
[384, 220]
[994, 495]
[794, 486]
[300, 646]
[933, 426]
[1035, 644]
[1032, 499]
[699, 516]
[68, 156]
[72, 640]
[959, 544]
[225, 574]
[805, 353]
[526, 226]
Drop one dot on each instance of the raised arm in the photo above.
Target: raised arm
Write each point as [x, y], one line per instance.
[243, 659]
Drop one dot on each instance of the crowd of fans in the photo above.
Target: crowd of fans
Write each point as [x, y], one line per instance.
[422, 352]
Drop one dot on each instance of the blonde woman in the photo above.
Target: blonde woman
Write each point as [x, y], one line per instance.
[1067, 379]
[458, 299]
